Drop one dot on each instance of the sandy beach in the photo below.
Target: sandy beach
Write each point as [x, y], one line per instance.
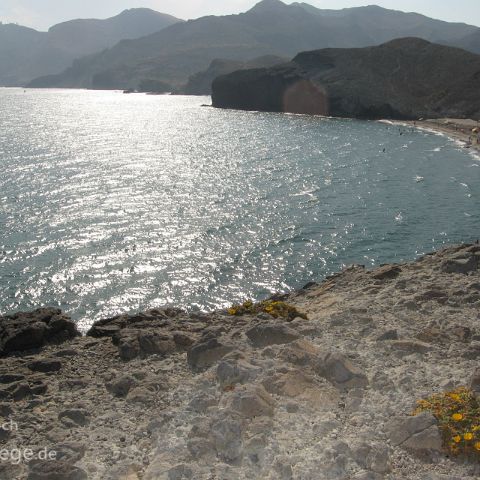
[458, 129]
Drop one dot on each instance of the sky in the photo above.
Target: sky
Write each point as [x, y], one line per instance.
[42, 14]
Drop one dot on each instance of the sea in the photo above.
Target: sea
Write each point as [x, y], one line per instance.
[113, 203]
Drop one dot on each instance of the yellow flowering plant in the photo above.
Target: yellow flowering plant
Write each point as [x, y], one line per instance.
[275, 308]
[458, 415]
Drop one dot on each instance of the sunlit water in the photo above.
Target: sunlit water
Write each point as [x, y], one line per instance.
[115, 203]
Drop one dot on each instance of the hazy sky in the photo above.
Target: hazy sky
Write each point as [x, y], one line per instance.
[42, 14]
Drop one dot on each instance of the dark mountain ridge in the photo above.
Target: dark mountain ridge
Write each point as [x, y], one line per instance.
[403, 79]
[269, 28]
[26, 53]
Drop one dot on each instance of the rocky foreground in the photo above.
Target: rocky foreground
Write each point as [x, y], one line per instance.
[404, 79]
[169, 395]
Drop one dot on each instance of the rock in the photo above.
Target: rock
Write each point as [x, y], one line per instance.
[300, 352]
[70, 452]
[5, 410]
[303, 387]
[134, 343]
[475, 381]
[10, 471]
[410, 346]
[128, 347]
[45, 365]
[388, 335]
[29, 330]
[271, 334]
[140, 395]
[227, 438]
[182, 339]
[119, 387]
[378, 459]
[55, 470]
[74, 417]
[201, 402]
[429, 439]
[230, 372]
[75, 383]
[24, 390]
[180, 472]
[386, 272]
[155, 343]
[251, 401]
[204, 354]
[67, 352]
[461, 265]
[11, 378]
[472, 352]
[417, 433]
[339, 370]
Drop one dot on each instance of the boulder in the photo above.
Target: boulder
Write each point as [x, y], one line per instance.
[232, 371]
[30, 330]
[226, 433]
[339, 370]
[461, 265]
[271, 334]
[386, 272]
[120, 386]
[55, 470]
[475, 381]
[417, 433]
[45, 365]
[251, 401]
[410, 346]
[74, 417]
[143, 343]
[205, 353]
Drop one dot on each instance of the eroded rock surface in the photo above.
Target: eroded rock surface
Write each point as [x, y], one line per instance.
[171, 395]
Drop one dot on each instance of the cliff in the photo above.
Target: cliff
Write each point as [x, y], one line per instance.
[254, 392]
[201, 82]
[403, 79]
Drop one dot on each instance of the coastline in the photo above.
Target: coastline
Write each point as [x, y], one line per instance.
[168, 394]
[457, 129]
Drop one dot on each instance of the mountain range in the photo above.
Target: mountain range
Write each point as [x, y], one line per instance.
[171, 55]
[26, 53]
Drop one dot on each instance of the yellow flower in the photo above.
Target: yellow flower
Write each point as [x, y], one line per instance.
[455, 396]
[476, 427]
[477, 446]
[468, 436]
[457, 417]
[232, 311]
[457, 438]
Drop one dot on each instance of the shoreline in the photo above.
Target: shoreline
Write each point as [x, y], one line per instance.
[168, 394]
[456, 129]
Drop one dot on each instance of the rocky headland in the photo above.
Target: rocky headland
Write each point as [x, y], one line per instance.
[170, 395]
[201, 82]
[405, 79]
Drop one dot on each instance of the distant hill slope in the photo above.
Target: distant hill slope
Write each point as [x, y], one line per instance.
[402, 79]
[270, 28]
[201, 83]
[26, 53]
